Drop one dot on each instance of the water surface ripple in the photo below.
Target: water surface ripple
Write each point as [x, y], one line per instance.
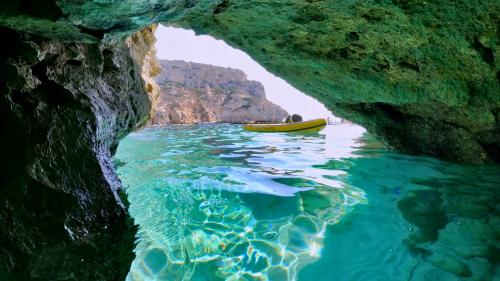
[214, 202]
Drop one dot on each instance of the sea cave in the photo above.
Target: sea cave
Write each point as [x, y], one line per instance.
[415, 197]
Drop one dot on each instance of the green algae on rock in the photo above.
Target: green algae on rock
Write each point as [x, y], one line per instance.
[423, 76]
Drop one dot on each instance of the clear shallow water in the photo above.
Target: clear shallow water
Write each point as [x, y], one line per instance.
[214, 202]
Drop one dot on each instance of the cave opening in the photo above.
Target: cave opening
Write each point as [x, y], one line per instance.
[177, 45]
[199, 185]
[214, 202]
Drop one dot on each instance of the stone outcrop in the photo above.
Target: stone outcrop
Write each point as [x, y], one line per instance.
[422, 75]
[143, 51]
[64, 107]
[193, 93]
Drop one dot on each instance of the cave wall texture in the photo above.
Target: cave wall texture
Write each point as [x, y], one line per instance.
[421, 75]
[64, 107]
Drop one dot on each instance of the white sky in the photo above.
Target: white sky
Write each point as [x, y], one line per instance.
[182, 44]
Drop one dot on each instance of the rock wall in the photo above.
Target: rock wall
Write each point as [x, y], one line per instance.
[193, 93]
[421, 75]
[143, 50]
[64, 107]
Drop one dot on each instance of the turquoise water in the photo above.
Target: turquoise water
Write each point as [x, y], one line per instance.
[214, 202]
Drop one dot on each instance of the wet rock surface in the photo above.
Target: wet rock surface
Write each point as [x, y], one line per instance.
[64, 108]
[194, 93]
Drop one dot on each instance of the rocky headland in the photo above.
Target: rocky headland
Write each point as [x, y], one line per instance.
[194, 93]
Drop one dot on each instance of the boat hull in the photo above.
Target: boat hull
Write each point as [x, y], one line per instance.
[287, 127]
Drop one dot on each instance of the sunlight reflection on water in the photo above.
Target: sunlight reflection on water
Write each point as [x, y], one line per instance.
[214, 202]
[219, 203]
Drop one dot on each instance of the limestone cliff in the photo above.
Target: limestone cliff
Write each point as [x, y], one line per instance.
[143, 51]
[194, 92]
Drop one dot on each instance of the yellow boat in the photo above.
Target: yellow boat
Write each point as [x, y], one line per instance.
[287, 127]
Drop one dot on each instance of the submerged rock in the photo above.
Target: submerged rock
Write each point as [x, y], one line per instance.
[418, 207]
[449, 264]
[456, 221]
[193, 92]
